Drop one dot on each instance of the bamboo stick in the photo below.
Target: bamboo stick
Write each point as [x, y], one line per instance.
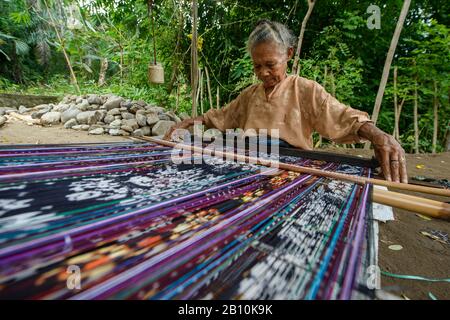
[416, 204]
[291, 167]
[428, 207]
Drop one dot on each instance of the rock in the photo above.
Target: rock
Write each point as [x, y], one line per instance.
[173, 116]
[141, 111]
[2, 111]
[184, 116]
[10, 110]
[154, 109]
[70, 113]
[78, 100]
[97, 131]
[113, 102]
[83, 105]
[2, 120]
[116, 124]
[135, 108]
[127, 128]
[141, 119]
[141, 103]
[101, 115]
[61, 107]
[50, 118]
[152, 118]
[88, 117]
[127, 116]
[137, 133]
[129, 125]
[126, 104]
[161, 127]
[83, 127]
[113, 112]
[108, 119]
[94, 99]
[118, 132]
[164, 117]
[70, 123]
[38, 114]
[146, 131]
[23, 109]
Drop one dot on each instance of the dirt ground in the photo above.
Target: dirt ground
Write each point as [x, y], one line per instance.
[420, 255]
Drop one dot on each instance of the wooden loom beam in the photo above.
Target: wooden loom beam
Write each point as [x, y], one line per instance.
[421, 205]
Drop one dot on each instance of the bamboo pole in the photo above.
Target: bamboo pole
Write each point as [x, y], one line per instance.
[416, 204]
[435, 116]
[194, 58]
[291, 167]
[431, 208]
[296, 65]
[387, 64]
[218, 98]
[209, 89]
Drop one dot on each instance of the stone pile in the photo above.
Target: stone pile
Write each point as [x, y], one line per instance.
[104, 114]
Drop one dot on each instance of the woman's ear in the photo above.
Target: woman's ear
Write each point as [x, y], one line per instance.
[290, 53]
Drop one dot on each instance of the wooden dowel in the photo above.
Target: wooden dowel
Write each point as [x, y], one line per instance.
[424, 206]
[296, 168]
[427, 207]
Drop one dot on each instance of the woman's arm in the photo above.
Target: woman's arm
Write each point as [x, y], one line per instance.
[388, 152]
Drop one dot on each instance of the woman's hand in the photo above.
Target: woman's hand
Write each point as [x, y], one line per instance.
[388, 151]
[185, 124]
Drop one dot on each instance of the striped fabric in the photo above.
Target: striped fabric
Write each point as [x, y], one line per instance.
[122, 221]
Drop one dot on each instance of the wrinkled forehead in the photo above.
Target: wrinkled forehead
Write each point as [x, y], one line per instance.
[267, 51]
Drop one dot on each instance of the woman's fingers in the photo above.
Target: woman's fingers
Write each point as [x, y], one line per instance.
[395, 166]
[403, 173]
[385, 164]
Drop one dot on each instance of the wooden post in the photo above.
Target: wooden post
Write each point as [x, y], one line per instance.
[209, 89]
[387, 64]
[395, 104]
[296, 65]
[435, 111]
[218, 98]
[416, 120]
[194, 59]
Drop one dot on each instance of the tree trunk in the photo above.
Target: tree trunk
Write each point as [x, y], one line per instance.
[435, 111]
[296, 65]
[416, 122]
[102, 74]
[218, 98]
[395, 105]
[388, 62]
[194, 59]
[177, 58]
[63, 47]
[209, 88]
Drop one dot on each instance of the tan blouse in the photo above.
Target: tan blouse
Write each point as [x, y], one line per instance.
[297, 107]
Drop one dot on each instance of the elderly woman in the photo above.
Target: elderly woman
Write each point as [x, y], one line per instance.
[297, 106]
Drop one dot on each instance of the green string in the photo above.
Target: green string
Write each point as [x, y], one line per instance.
[411, 277]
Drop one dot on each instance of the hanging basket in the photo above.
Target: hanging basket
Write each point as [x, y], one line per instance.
[155, 73]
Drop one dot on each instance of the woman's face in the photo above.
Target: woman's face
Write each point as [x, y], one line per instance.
[270, 63]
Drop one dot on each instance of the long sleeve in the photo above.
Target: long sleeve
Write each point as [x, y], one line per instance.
[333, 119]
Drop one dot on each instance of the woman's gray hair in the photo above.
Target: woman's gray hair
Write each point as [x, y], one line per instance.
[266, 31]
